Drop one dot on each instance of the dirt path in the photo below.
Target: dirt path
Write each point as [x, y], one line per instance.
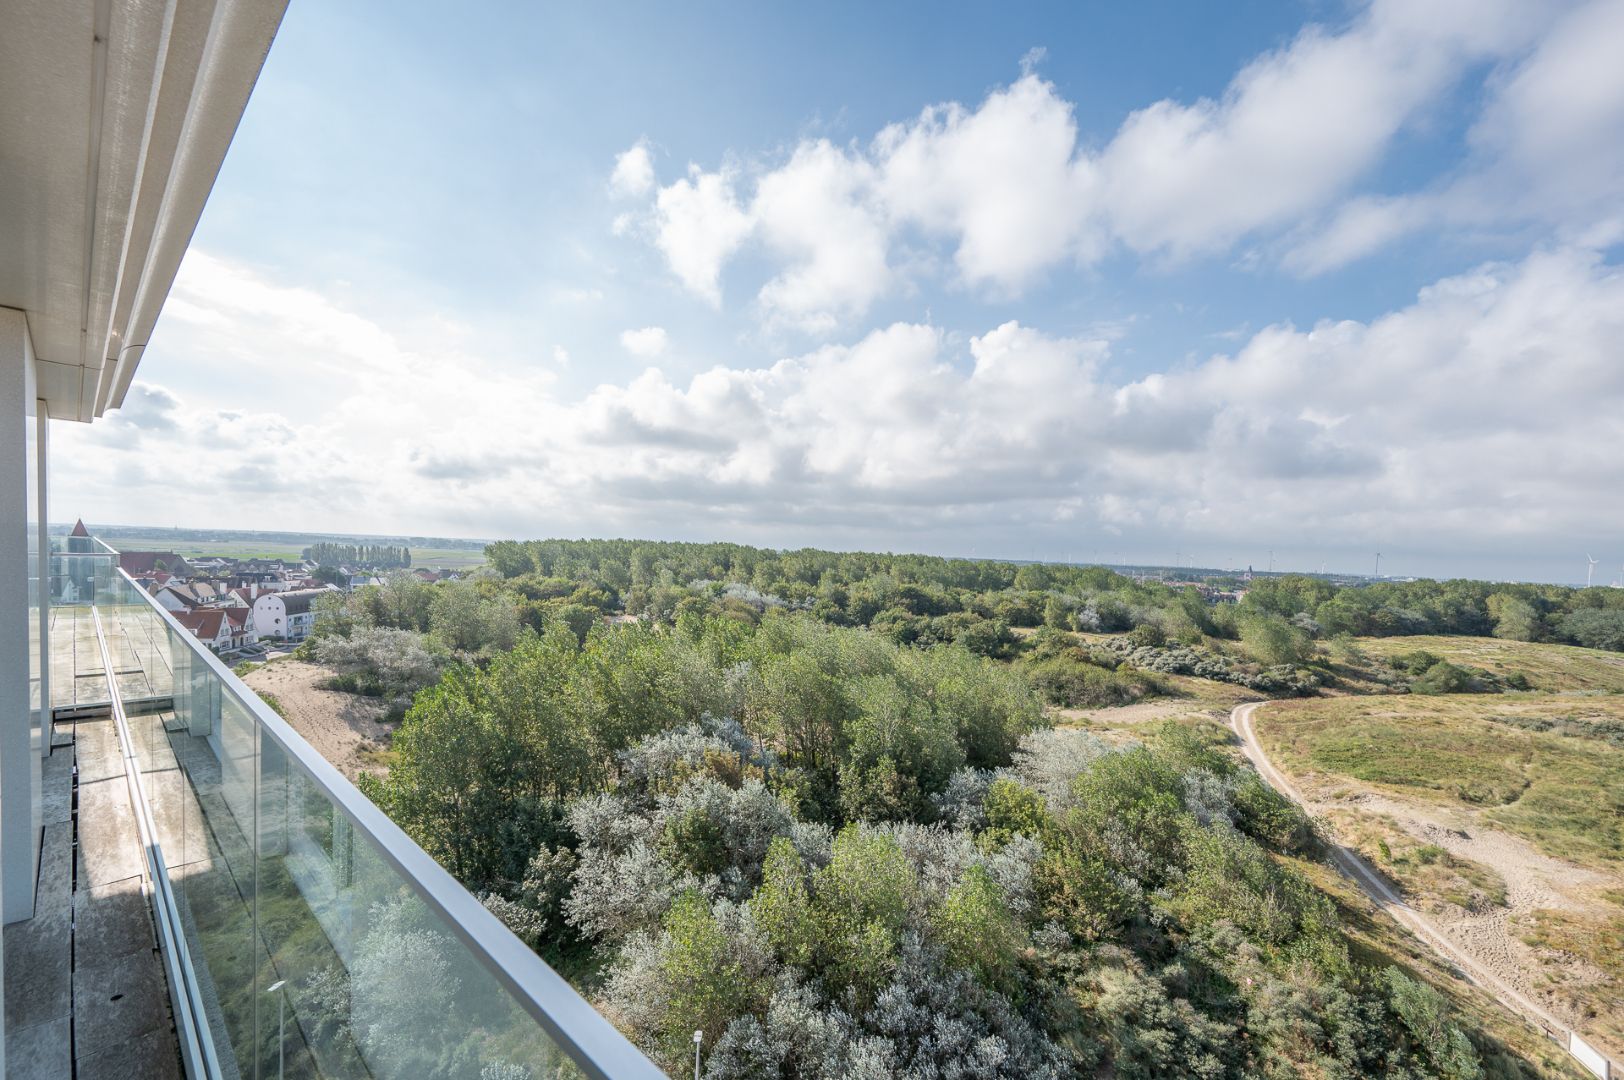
[342, 727]
[1481, 945]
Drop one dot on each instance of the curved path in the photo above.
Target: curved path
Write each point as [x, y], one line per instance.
[1383, 894]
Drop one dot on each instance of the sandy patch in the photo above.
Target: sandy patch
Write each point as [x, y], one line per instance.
[342, 727]
[1533, 880]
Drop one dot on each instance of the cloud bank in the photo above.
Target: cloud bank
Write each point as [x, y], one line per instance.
[1485, 414]
[996, 196]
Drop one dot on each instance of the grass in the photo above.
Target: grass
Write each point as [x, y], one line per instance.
[1423, 872]
[1509, 1046]
[1598, 941]
[1561, 793]
[446, 558]
[1548, 668]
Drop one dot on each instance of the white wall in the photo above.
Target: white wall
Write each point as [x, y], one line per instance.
[267, 610]
[21, 733]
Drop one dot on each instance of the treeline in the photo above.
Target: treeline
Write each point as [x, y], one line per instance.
[924, 599]
[376, 556]
[836, 856]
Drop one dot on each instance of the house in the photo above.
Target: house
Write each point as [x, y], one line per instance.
[287, 615]
[240, 621]
[208, 625]
[178, 596]
[139, 563]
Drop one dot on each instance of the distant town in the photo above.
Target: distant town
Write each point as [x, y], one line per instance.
[253, 606]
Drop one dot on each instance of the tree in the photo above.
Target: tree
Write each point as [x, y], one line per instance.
[1515, 619]
[1273, 640]
[707, 978]
[976, 930]
[862, 901]
[1595, 628]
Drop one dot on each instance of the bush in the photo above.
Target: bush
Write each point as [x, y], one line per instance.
[1595, 628]
[1148, 636]
[380, 662]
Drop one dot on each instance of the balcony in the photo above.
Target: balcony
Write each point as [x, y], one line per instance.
[216, 899]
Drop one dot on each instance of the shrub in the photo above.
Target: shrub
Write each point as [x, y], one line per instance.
[1595, 628]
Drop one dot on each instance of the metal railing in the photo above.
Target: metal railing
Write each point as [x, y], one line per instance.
[191, 1021]
[285, 881]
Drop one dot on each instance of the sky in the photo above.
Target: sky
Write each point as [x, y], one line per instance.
[1255, 283]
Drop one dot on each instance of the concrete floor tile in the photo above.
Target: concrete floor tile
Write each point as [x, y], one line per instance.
[109, 845]
[37, 954]
[117, 1001]
[59, 785]
[152, 1056]
[110, 921]
[41, 1052]
[96, 748]
[55, 866]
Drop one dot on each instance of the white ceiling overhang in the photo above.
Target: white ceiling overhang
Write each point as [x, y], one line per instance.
[114, 118]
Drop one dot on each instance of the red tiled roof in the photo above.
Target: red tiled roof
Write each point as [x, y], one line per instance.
[79, 528]
[203, 622]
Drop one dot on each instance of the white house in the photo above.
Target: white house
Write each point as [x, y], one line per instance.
[287, 615]
[209, 625]
[240, 622]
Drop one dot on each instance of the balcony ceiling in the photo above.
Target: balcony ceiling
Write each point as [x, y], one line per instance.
[114, 118]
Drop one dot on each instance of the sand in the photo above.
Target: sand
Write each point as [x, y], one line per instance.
[342, 727]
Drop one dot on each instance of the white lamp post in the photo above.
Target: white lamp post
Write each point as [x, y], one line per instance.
[698, 1038]
[281, 1013]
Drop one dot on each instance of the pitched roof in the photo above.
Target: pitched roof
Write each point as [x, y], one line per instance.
[79, 528]
[298, 601]
[204, 622]
[135, 563]
[236, 616]
[183, 592]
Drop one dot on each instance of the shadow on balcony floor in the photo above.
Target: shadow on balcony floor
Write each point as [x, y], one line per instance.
[85, 992]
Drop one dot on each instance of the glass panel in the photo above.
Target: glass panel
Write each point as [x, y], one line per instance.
[314, 956]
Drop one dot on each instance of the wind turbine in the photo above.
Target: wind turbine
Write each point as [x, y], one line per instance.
[1590, 571]
[1378, 564]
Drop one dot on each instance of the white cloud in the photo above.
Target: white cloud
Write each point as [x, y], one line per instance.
[633, 174]
[699, 225]
[646, 343]
[816, 214]
[561, 356]
[1013, 190]
[1003, 181]
[1547, 151]
[1295, 127]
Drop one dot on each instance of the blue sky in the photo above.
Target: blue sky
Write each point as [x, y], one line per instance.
[1107, 281]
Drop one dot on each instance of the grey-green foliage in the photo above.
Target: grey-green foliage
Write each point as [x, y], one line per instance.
[929, 1021]
[382, 661]
[635, 858]
[1049, 760]
[402, 990]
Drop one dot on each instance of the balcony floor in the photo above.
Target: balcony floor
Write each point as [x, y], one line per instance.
[77, 677]
[85, 991]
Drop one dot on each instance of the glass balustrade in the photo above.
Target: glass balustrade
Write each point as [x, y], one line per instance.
[322, 941]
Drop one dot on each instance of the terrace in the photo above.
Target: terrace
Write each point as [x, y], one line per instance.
[215, 899]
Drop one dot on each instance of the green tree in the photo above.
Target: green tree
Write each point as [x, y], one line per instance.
[1272, 640]
[976, 929]
[1515, 619]
[706, 983]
